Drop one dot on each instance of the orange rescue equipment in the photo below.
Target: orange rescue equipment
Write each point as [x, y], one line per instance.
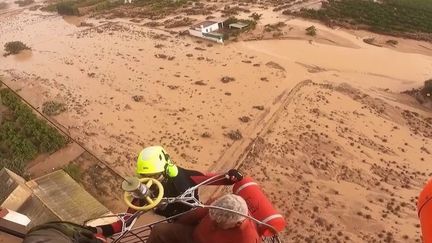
[424, 210]
[259, 206]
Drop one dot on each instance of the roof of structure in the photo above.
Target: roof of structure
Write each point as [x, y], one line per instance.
[55, 196]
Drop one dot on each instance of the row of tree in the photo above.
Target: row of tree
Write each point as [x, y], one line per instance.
[23, 135]
[385, 16]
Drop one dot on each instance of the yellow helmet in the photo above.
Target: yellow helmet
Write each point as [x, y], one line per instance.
[153, 160]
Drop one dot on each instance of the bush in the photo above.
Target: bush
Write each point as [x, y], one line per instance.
[74, 171]
[427, 88]
[50, 8]
[53, 108]
[67, 8]
[256, 16]
[370, 41]
[311, 30]
[15, 165]
[15, 47]
[22, 3]
[274, 27]
[22, 134]
[392, 42]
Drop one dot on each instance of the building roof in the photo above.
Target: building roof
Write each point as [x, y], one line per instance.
[66, 198]
[55, 196]
[18, 197]
[37, 212]
[203, 24]
[11, 182]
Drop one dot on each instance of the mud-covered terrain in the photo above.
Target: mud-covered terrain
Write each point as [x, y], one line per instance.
[344, 165]
[339, 160]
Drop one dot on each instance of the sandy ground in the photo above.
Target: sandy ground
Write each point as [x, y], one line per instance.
[351, 164]
[127, 86]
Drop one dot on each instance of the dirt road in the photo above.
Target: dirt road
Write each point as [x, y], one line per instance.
[45, 164]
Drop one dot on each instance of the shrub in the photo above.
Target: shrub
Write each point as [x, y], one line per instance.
[53, 108]
[67, 8]
[23, 134]
[50, 8]
[22, 3]
[427, 88]
[74, 171]
[14, 47]
[15, 165]
[311, 30]
[369, 41]
[392, 42]
[256, 16]
[274, 27]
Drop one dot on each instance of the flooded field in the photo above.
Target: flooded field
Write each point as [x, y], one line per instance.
[127, 86]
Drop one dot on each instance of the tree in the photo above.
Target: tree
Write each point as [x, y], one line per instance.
[67, 8]
[256, 16]
[427, 88]
[311, 30]
[15, 47]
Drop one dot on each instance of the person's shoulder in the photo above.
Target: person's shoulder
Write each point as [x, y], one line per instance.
[188, 172]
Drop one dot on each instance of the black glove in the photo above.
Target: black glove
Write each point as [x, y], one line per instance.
[234, 176]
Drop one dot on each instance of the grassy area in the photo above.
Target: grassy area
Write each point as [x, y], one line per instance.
[72, 7]
[23, 3]
[402, 17]
[74, 171]
[23, 135]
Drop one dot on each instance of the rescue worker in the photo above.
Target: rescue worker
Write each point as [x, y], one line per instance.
[205, 225]
[155, 162]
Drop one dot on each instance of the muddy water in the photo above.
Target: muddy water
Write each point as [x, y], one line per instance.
[368, 66]
[97, 71]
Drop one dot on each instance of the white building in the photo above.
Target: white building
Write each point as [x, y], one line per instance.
[207, 30]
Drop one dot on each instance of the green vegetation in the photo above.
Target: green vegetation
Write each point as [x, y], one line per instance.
[74, 171]
[15, 165]
[67, 8]
[255, 16]
[22, 3]
[156, 9]
[411, 18]
[274, 27]
[14, 47]
[392, 42]
[71, 7]
[23, 135]
[311, 30]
